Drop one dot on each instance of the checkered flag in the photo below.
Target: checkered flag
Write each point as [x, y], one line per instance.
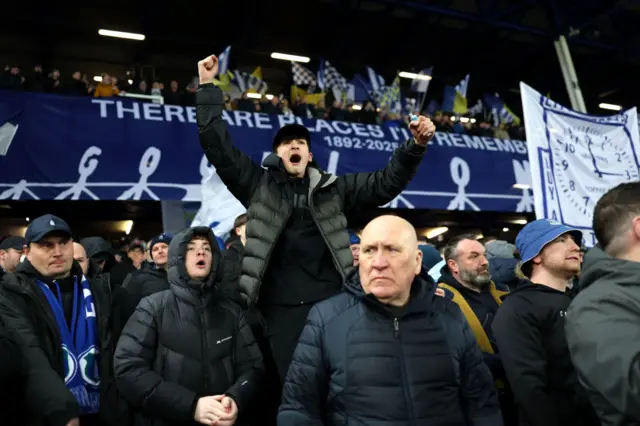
[332, 77]
[302, 76]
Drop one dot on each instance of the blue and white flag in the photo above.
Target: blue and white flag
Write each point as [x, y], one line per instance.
[576, 158]
[223, 60]
[249, 82]
[421, 85]
[376, 81]
[219, 208]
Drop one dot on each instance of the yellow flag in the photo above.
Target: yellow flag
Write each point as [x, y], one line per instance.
[310, 98]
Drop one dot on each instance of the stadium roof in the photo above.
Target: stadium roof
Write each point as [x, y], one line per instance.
[500, 42]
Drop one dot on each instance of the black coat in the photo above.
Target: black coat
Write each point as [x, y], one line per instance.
[529, 331]
[267, 196]
[13, 373]
[186, 343]
[26, 312]
[359, 363]
[139, 284]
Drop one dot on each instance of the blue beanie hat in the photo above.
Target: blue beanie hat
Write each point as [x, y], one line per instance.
[162, 238]
[353, 238]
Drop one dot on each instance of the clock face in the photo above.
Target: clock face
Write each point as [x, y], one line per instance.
[586, 165]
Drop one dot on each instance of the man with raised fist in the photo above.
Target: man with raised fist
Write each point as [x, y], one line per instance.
[297, 249]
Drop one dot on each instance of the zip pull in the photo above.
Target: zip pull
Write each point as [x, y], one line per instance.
[396, 328]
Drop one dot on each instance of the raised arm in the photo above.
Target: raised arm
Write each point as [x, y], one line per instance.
[235, 168]
[380, 187]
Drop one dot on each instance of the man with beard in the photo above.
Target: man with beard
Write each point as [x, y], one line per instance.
[466, 280]
[529, 330]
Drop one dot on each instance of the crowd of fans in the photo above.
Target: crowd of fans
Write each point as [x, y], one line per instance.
[78, 84]
[298, 321]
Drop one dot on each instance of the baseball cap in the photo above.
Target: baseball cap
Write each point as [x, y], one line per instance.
[16, 243]
[43, 226]
[136, 244]
[162, 238]
[292, 131]
[537, 234]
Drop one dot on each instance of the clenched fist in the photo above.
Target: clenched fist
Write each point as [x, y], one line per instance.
[423, 130]
[208, 69]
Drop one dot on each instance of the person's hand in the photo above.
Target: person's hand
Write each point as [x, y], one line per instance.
[209, 410]
[208, 69]
[73, 422]
[231, 409]
[423, 130]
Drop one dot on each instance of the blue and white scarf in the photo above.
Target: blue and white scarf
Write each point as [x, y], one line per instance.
[80, 348]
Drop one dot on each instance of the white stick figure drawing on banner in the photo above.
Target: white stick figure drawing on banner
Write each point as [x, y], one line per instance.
[15, 192]
[523, 181]
[194, 191]
[461, 175]
[87, 166]
[148, 165]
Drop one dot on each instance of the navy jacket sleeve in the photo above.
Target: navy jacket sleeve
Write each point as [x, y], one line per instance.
[248, 367]
[135, 378]
[478, 393]
[519, 341]
[237, 171]
[306, 385]
[380, 187]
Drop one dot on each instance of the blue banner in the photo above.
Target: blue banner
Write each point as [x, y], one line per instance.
[55, 147]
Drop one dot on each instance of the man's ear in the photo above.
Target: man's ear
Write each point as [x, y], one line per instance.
[310, 156]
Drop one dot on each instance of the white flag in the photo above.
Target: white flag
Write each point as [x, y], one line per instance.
[576, 158]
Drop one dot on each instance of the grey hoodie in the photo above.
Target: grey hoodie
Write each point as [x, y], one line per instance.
[603, 333]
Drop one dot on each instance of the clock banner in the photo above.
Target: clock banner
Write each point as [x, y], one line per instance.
[576, 158]
[54, 147]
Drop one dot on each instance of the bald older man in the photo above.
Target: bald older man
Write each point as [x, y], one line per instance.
[390, 350]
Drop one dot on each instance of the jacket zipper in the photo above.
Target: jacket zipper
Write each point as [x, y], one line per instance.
[205, 350]
[312, 208]
[403, 368]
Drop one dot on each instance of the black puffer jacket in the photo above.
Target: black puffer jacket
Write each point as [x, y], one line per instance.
[28, 314]
[359, 363]
[139, 284]
[266, 195]
[186, 343]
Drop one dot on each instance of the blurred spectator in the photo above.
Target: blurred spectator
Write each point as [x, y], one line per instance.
[11, 78]
[321, 111]
[105, 88]
[272, 107]
[189, 98]
[53, 84]
[142, 89]
[227, 103]
[368, 113]
[36, 81]
[76, 87]
[337, 112]
[11, 249]
[285, 107]
[173, 96]
[303, 109]
[156, 88]
[458, 127]
[501, 132]
[246, 104]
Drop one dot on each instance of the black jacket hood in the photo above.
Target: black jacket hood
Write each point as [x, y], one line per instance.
[95, 246]
[598, 265]
[527, 287]
[177, 271]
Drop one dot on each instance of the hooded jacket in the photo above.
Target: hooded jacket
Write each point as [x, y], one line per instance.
[27, 313]
[603, 325]
[360, 362]
[269, 200]
[186, 343]
[529, 332]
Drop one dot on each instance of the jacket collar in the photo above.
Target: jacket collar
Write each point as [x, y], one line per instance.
[317, 177]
